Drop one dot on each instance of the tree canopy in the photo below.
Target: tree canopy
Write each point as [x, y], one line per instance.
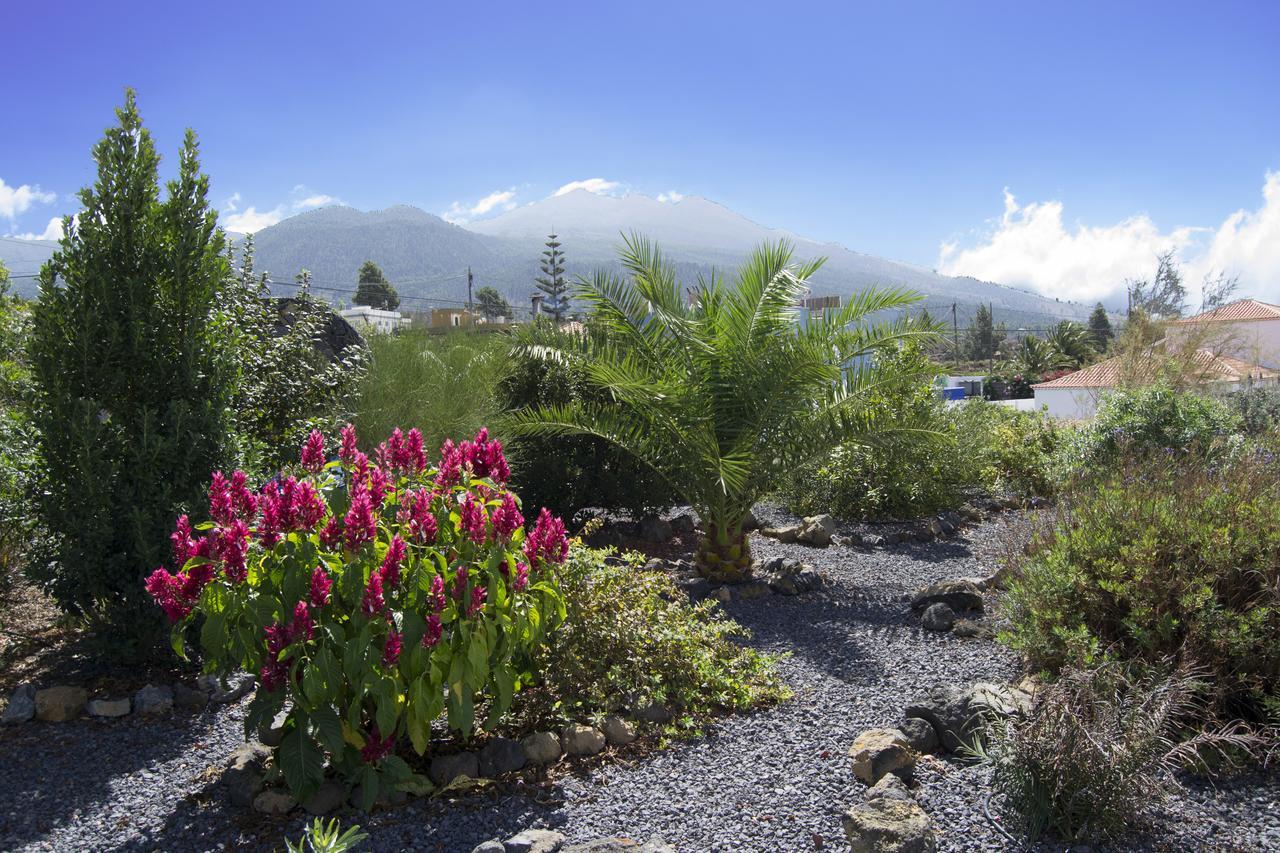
[374, 290]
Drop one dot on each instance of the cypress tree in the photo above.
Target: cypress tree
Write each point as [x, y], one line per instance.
[552, 281]
[133, 385]
[1100, 328]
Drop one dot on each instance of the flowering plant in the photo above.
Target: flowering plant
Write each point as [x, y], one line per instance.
[371, 595]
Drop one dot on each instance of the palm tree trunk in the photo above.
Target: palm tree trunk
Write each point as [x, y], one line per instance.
[724, 554]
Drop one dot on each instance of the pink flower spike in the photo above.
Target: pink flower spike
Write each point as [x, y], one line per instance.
[478, 596]
[321, 587]
[434, 631]
[313, 452]
[347, 449]
[391, 648]
[359, 525]
[391, 562]
[372, 604]
[416, 456]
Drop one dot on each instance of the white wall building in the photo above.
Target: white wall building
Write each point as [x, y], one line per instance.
[1246, 329]
[365, 318]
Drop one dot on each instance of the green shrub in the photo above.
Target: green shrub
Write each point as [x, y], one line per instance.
[133, 381]
[442, 384]
[569, 473]
[1099, 748]
[1166, 557]
[630, 637]
[370, 597]
[1012, 451]
[1146, 421]
[1258, 409]
[18, 467]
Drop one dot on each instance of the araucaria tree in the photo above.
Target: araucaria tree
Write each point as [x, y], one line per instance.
[374, 290]
[552, 281]
[133, 389]
[723, 394]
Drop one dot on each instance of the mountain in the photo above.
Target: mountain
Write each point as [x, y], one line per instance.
[427, 258]
[23, 258]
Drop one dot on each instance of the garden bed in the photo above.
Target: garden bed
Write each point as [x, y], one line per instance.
[778, 779]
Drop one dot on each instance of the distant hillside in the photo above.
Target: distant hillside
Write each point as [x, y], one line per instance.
[427, 258]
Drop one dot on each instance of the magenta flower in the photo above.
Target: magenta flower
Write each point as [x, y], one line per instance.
[415, 456]
[245, 503]
[376, 747]
[437, 593]
[166, 589]
[434, 631]
[313, 452]
[391, 648]
[222, 507]
[182, 541]
[372, 604]
[478, 596]
[471, 514]
[273, 676]
[277, 639]
[302, 624]
[507, 518]
[460, 583]
[347, 447]
[359, 525]
[449, 473]
[360, 470]
[233, 547]
[548, 540]
[379, 485]
[391, 562]
[321, 587]
[270, 524]
[331, 535]
[522, 576]
[310, 507]
[416, 514]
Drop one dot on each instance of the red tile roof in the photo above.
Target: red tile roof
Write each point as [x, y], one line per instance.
[1239, 311]
[1213, 368]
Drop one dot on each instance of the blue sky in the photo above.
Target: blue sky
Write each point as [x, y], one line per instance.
[894, 129]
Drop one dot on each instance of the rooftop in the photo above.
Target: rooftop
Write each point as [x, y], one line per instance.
[1239, 311]
[1213, 368]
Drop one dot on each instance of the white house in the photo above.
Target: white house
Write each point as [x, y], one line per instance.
[1245, 329]
[1075, 396]
[363, 317]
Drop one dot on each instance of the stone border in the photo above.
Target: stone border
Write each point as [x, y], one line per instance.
[63, 703]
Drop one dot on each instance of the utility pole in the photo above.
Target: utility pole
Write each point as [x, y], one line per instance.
[468, 288]
[955, 338]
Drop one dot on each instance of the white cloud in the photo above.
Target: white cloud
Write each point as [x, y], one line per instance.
[599, 186]
[52, 231]
[671, 197]
[1031, 246]
[15, 200]
[251, 219]
[459, 213]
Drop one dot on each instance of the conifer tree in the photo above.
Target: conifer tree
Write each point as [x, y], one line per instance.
[1100, 328]
[374, 290]
[133, 385]
[552, 281]
[984, 338]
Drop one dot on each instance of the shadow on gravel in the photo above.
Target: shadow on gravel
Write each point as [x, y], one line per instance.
[51, 774]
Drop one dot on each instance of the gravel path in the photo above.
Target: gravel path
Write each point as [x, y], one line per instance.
[775, 780]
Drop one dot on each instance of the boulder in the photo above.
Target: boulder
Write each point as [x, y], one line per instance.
[619, 845]
[935, 529]
[243, 777]
[684, 523]
[329, 797]
[959, 715]
[59, 704]
[273, 734]
[189, 698]
[754, 589]
[656, 565]
[889, 826]
[534, 841]
[108, 707]
[957, 593]
[237, 687]
[790, 577]
[493, 845]
[970, 512]
[582, 740]
[750, 522]
[153, 701]
[976, 628]
[889, 787]
[654, 712]
[723, 594]
[880, 751]
[446, 768]
[920, 734]
[541, 747]
[655, 529]
[818, 530]
[873, 540]
[274, 801]
[618, 731]
[21, 707]
[938, 617]
[501, 755]
[783, 534]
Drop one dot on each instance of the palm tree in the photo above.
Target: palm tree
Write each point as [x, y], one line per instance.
[1034, 357]
[722, 389]
[1072, 340]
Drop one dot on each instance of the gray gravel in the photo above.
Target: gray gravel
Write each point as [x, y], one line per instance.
[775, 780]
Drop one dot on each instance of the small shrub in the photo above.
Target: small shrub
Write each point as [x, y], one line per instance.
[320, 838]
[370, 597]
[444, 385]
[1166, 557]
[1146, 421]
[1012, 451]
[18, 465]
[1258, 409]
[630, 637]
[1100, 747]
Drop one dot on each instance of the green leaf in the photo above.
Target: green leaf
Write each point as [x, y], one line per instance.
[329, 729]
[302, 762]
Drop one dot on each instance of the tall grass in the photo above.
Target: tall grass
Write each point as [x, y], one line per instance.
[441, 384]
